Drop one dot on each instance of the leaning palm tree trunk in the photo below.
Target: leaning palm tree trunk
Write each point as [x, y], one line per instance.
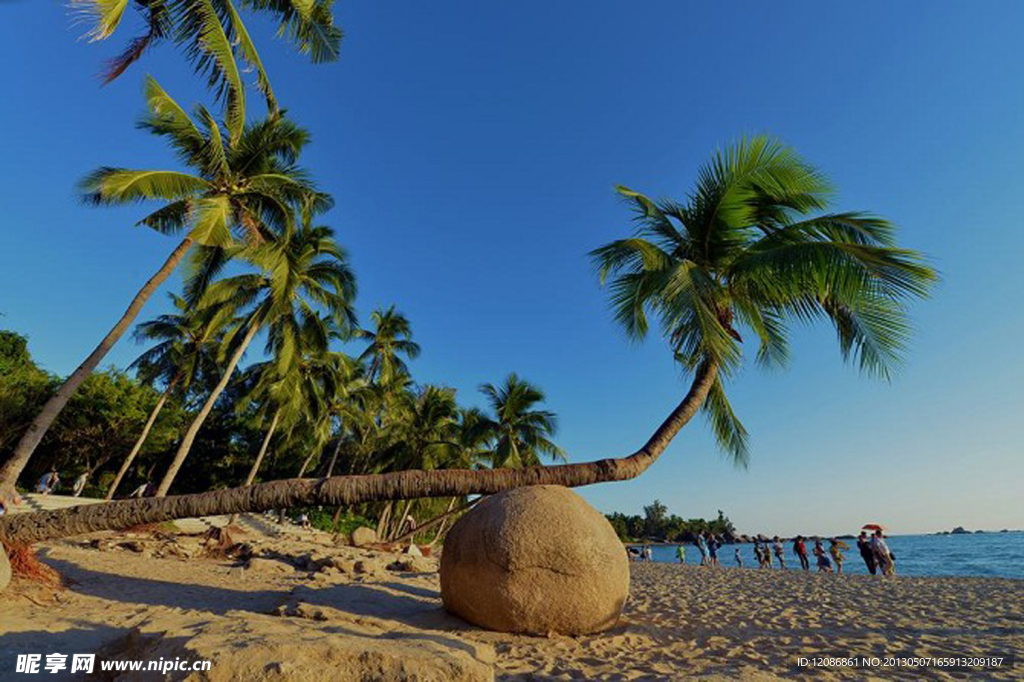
[197, 423]
[142, 439]
[13, 467]
[263, 449]
[305, 464]
[334, 459]
[21, 529]
[259, 458]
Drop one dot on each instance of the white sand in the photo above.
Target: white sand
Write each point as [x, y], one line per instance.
[681, 621]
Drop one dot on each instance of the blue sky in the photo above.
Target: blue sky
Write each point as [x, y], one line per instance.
[473, 148]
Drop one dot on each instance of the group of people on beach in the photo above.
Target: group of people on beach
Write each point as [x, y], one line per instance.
[876, 554]
[49, 481]
[873, 550]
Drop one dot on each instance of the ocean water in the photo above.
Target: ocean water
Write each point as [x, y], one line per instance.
[977, 554]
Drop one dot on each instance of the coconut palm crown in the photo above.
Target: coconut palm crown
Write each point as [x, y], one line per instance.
[214, 39]
[249, 189]
[749, 251]
[519, 432]
[390, 339]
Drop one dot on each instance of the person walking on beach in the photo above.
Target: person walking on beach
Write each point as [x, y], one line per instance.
[739, 559]
[780, 553]
[757, 554]
[767, 555]
[79, 485]
[866, 553]
[883, 557]
[702, 548]
[824, 564]
[836, 549]
[681, 554]
[800, 549]
[648, 554]
[713, 545]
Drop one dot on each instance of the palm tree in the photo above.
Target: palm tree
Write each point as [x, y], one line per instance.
[750, 249]
[391, 338]
[301, 269]
[214, 38]
[423, 438]
[340, 396]
[292, 392]
[181, 355]
[243, 191]
[520, 433]
[744, 250]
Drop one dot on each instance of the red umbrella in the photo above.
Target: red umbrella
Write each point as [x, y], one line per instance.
[872, 526]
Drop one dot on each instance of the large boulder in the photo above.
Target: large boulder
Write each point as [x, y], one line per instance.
[363, 536]
[535, 560]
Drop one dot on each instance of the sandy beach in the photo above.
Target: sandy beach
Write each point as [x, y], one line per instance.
[307, 609]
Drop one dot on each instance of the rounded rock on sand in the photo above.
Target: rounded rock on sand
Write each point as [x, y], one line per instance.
[363, 536]
[535, 560]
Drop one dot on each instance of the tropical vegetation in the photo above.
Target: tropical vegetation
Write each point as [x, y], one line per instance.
[332, 408]
[657, 525]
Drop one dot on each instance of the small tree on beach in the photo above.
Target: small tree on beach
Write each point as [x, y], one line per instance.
[746, 251]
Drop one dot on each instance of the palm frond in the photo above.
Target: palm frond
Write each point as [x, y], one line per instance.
[105, 15]
[121, 185]
[729, 431]
[210, 50]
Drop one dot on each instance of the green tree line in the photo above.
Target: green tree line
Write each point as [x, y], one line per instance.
[657, 525]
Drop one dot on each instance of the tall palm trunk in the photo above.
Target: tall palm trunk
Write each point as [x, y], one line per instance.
[263, 449]
[334, 458]
[16, 529]
[142, 438]
[13, 467]
[197, 423]
[259, 457]
[305, 464]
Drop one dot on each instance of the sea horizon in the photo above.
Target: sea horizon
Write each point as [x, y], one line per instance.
[961, 555]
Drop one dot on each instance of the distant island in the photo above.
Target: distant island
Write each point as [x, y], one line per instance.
[960, 530]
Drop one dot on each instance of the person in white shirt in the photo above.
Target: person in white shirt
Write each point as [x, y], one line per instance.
[883, 557]
[79, 484]
[780, 553]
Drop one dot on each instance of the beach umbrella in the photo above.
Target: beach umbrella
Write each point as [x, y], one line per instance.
[873, 526]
